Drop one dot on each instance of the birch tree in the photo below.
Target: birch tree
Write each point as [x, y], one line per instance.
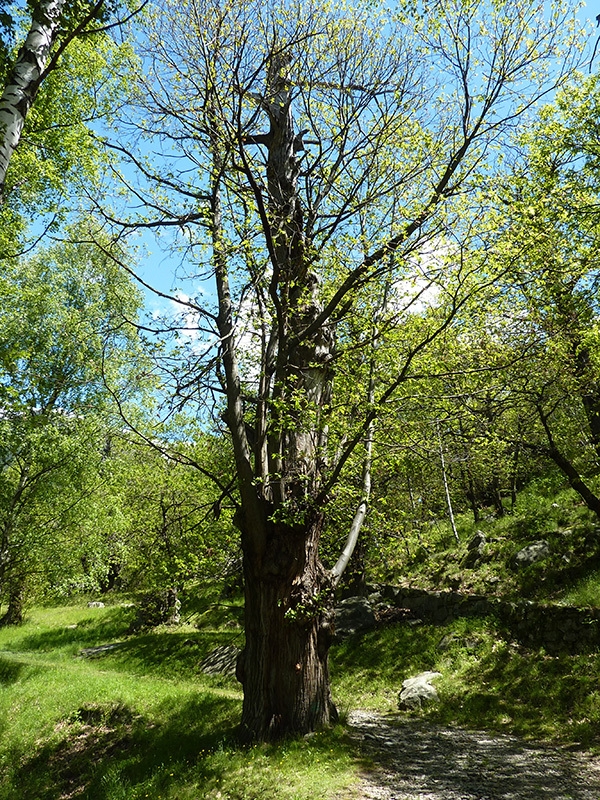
[306, 155]
[54, 26]
[34, 61]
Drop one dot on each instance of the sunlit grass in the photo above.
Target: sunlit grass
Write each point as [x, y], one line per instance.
[142, 720]
[585, 593]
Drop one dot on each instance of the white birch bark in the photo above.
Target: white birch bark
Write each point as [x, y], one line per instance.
[24, 79]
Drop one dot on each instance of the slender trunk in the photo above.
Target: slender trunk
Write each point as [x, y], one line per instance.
[514, 477]
[25, 77]
[446, 487]
[497, 495]
[361, 511]
[470, 492]
[576, 482]
[568, 468]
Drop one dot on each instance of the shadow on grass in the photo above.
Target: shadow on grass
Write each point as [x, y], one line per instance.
[10, 671]
[530, 693]
[385, 656]
[109, 753]
[100, 742]
[112, 624]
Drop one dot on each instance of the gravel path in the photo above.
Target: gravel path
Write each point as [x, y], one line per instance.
[415, 760]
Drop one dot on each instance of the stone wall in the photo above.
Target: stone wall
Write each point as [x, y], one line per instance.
[556, 628]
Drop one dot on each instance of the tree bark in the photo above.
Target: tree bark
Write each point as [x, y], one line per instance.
[446, 486]
[288, 624]
[25, 78]
[288, 592]
[16, 602]
[576, 482]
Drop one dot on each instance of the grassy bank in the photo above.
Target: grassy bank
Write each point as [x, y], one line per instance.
[141, 720]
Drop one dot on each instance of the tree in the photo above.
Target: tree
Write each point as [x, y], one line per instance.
[311, 153]
[549, 247]
[61, 327]
[175, 531]
[54, 26]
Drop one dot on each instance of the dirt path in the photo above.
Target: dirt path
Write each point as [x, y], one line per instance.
[416, 760]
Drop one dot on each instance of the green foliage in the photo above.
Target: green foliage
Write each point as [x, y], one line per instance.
[174, 529]
[61, 333]
[59, 157]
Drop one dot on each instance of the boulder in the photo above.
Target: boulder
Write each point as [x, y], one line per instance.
[353, 615]
[477, 541]
[536, 551]
[95, 604]
[417, 691]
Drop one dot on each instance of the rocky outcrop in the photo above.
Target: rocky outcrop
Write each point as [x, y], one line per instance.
[221, 661]
[353, 615]
[532, 553]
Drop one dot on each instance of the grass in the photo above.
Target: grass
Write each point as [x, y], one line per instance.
[142, 720]
[585, 593]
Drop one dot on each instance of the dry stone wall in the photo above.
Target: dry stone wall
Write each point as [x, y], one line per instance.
[556, 628]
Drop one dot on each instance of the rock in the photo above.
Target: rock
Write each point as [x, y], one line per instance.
[536, 551]
[221, 661]
[353, 615]
[417, 691]
[478, 539]
[96, 604]
[92, 652]
[447, 641]
[475, 550]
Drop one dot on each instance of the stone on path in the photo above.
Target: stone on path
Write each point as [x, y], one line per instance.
[418, 691]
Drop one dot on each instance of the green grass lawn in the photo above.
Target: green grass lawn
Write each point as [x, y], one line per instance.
[139, 721]
[142, 721]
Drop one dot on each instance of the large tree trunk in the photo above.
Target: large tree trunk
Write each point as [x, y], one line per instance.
[284, 668]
